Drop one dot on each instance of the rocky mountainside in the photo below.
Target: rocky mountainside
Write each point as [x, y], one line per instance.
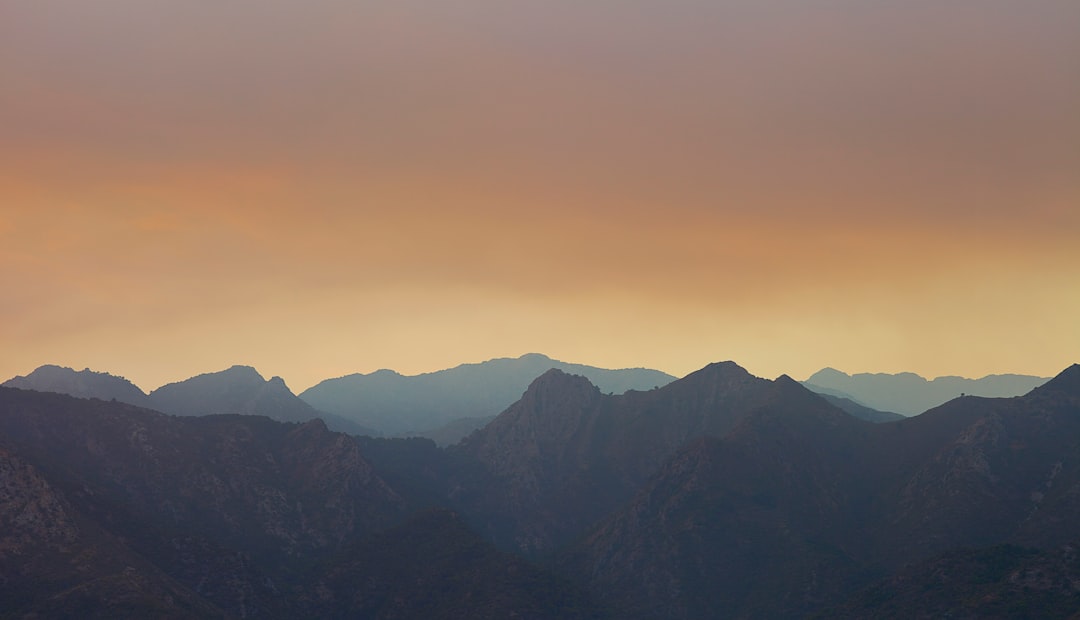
[566, 454]
[717, 495]
[115, 511]
[1003, 581]
[812, 506]
[394, 404]
[82, 384]
[909, 394]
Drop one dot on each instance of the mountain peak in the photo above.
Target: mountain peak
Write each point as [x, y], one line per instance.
[719, 373]
[240, 370]
[826, 374]
[1067, 381]
[79, 383]
[558, 380]
[786, 381]
[537, 357]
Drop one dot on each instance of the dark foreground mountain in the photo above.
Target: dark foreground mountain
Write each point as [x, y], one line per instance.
[789, 512]
[566, 454]
[394, 404]
[82, 384]
[1003, 581]
[718, 495]
[433, 566]
[909, 394]
[114, 511]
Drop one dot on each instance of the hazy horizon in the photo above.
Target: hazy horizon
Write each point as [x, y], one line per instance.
[298, 388]
[322, 188]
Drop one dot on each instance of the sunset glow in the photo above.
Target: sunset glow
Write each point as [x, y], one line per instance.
[326, 187]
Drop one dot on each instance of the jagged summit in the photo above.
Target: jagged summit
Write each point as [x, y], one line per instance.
[237, 389]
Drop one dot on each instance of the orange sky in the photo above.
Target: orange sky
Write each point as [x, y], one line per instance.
[324, 187]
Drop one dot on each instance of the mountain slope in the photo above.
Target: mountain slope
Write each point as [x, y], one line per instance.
[787, 512]
[239, 389]
[566, 454]
[53, 563]
[395, 404]
[81, 384]
[432, 567]
[909, 394]
[751, 525]
[223, 504]
[859, 410]
[1003, 581]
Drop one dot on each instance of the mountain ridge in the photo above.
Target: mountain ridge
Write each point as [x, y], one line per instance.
[396, 404]
[910, 394]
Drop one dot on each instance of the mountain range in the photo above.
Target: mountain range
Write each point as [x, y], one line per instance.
[909, 394]
[448, 405]
[395, 404]
[717, 495]
[238, 389]
[445, 405]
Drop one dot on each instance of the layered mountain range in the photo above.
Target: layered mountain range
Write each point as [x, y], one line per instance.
[909, 394]
[396, 404]
[717, 495]
[445, 405]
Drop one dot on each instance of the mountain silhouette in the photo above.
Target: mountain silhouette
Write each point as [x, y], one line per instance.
[786, 513]
[395, 404]
[717, 495]
[566, 454]
[909, 394]
[81, 384]
[239, 389]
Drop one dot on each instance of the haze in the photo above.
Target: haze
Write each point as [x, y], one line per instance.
[318, 188]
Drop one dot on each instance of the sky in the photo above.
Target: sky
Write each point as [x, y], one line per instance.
[325, 187]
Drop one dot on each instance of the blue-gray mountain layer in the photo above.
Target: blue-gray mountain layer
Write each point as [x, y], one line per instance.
[80, 384]
[392, 403]
[909, 394]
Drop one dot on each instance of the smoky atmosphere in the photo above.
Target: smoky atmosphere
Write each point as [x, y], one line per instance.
[550, 310]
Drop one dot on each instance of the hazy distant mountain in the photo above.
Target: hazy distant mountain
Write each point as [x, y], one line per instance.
[82, 384]
[396, 404]
[239, 389]
[910, 394]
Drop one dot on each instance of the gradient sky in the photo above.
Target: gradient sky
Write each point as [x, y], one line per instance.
[324, 187]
